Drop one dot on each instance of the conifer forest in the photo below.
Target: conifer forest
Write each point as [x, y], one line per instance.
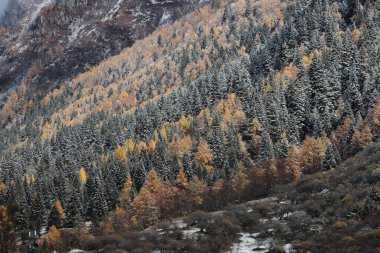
[237, 126]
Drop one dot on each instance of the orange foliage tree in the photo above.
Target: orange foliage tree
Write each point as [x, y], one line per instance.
[292, 163]
[145, 205]
[312, 153]
[204, 157]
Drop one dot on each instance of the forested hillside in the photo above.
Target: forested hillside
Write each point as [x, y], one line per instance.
[217, 108]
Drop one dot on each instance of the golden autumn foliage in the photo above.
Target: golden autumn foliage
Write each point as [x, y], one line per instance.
[240, 180]
[366, 137]
[7, 112]
[307, 60]
[129, 145]
[140, 147]
[184, 124]
[361, 137]
[356, 36]
[53, 237]
[311, 154]
[152, 146]
[121, 222]
[230, 111]
[153, 182]
[179, 146]
[120, 154]
[293, 163]
[46, 132]
[344, 129]
[204, 157]
[288, 74]
[181, 180]
[82, 176]
[163, 134]
[145, 204]
[60, 209]
[126, 193]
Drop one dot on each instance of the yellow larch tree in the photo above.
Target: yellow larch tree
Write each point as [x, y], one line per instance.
[82, 176]
[312, 153]
[293, 163]
[126, 193]
[53, 237]
[120, 154]
[60, 209]
[145, 205]
[152, 146]
[203, 156]
[366, 137]
[240, 180]
[181, 180]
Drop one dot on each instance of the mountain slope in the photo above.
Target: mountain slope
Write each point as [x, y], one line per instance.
[59, 38]
[221, 106]
[333, 211]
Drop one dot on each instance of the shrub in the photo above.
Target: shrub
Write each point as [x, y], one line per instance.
[340, 224]
[94, 244]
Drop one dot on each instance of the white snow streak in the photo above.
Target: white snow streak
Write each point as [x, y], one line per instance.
[113, 11]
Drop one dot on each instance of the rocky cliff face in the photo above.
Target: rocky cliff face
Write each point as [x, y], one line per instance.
[49, 41]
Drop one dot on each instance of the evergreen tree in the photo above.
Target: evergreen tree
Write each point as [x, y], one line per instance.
[73, 210]
[266, 148]
[331, 158]
[37, 210]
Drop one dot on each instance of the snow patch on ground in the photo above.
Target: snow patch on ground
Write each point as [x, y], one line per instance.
[154, 2]
[190, 233]
[88, 224]
[250, 244]
[113, 11]
[166, 18]
[202, 2]
[39, 8]
[76, 28]
[289, 248]
[180, 224]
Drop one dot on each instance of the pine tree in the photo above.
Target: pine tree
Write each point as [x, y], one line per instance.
[56, 216]
[266, 148]
[352, 94]
[98, 203]
[297, 103]
[73, 210]
[241, 84]
[331, 158]
[21, 216]
[217, 143]
[37, 211]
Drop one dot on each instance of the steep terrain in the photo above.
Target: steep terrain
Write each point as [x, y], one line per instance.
[55, 40]
[333, 211]
[222, 106]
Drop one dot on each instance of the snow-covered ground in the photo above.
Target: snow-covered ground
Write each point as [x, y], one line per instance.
[248, 243]
[113, 11]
